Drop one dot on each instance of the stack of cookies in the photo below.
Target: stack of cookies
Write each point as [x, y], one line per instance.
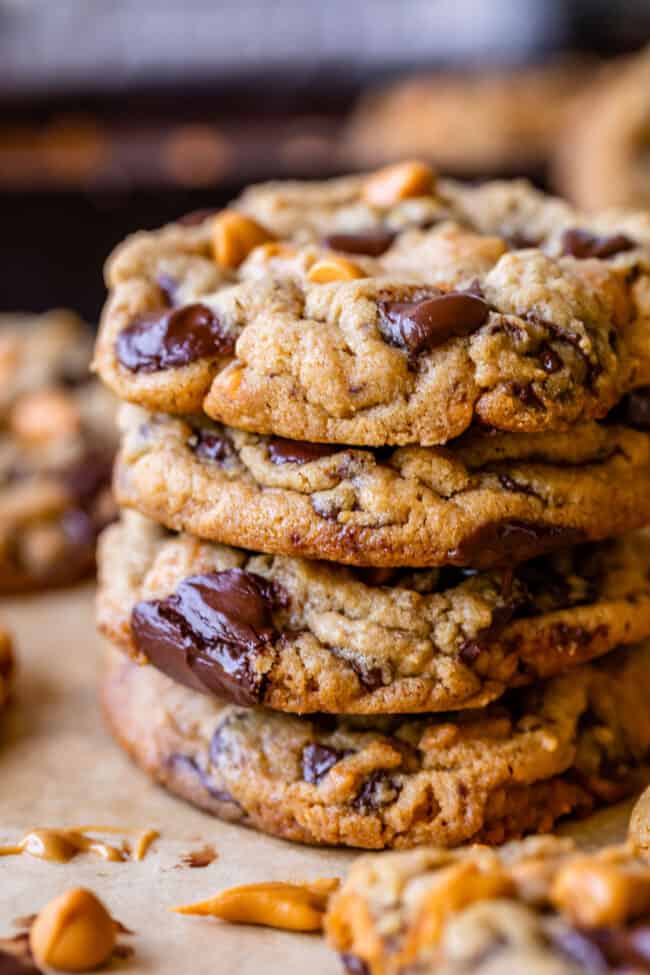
[385, 452]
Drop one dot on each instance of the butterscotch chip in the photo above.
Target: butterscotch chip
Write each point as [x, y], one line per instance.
[73, 933]
[385, 782]
[340, 640]
[234, 237]
[398, 182]
[44, 414]
[494, 304]
[482, 910]
[334, 269]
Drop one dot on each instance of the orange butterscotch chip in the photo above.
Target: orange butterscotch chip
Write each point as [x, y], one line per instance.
[234, 236]
[334, 268]
[593, 893]
[398, 182]
[44, 414]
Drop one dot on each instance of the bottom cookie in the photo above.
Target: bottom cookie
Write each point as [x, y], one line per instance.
[7, 665]
[566, 746]
[540, 907]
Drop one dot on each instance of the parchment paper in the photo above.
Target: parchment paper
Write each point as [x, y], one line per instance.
[58, 767]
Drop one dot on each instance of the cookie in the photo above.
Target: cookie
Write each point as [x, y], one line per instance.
[57, 440]
[573, 743]
[7, 666]
[536, 906]
[510, 119]
[359, 314]
[602, 158]
[487, 499]
[312, 636]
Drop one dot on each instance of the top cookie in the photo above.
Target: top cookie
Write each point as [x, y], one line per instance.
[382, 309]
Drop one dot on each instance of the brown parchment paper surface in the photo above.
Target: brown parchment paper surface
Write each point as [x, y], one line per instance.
[58, 767]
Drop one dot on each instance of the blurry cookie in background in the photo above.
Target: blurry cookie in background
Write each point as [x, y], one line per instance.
[640, 823]
[7, 666]
[57, 439]
[603, 157]
[486, 123]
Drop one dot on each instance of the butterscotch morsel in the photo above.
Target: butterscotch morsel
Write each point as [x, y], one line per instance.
[44, 414]
[334, 268]
[593, 893]
[73, 933]
[292, 907]
[234, 236]
[398, 182]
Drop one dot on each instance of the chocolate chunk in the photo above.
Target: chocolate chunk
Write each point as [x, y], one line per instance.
[505, 542]
[376, 576]
[188, 764]
[527, 395]
[549, 360]
[582, 244]
[208, 634]
[418, 326]
[520, 241]
[606, 949]
[317, 760]
[378, 790]
[374, 243]
[90, 475]
[11, 964]
[354, 965]
[172, 337]
[210, 445]
[299, 451]
[633, 410]
[471, 650]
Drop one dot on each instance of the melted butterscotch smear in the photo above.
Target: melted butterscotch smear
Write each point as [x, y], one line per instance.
[62, 845]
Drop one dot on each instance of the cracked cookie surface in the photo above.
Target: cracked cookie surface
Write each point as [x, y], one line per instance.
[568, 745]
[57, 440]
[539, 906]
[365, 319]
[333, 639]
[489, 498]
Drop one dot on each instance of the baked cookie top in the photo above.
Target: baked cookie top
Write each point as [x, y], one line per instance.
[487, 498]
[382, 309]
[312, 636]
[567, 745]
[57, 440]
[538, 906]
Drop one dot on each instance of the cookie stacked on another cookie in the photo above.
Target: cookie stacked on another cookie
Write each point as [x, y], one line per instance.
[386, 456]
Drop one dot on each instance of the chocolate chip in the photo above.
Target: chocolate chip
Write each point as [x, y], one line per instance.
[549, 360]
[418, 326]
[374, 243]
[210, 445]
[521, 241]
[378, 790]
[208, 634]
[582, 244]
[472, 649]
[189, 765]
[299, 451]
[353, 964]
[317, 760]
[606, 949]
[375, 576]
[504, 542]
[90, 475]
[172, 337]
[527, 395]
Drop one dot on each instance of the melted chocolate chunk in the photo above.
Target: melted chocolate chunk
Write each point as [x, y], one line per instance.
[549, 360]
[606, 949]
[504, 542]
[172, 337]
[210, 445]
[418, 326]
[471, 650]
[633, 410]
[90, 475]
[190, 765]
[354, 965]
[374, 243]
[582, 244]
[317, 760]
[208, 634]
[299, 451]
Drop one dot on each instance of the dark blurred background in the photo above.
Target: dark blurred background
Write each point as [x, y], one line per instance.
[123, 114]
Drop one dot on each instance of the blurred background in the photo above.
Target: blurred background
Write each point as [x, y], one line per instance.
[124, 114]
